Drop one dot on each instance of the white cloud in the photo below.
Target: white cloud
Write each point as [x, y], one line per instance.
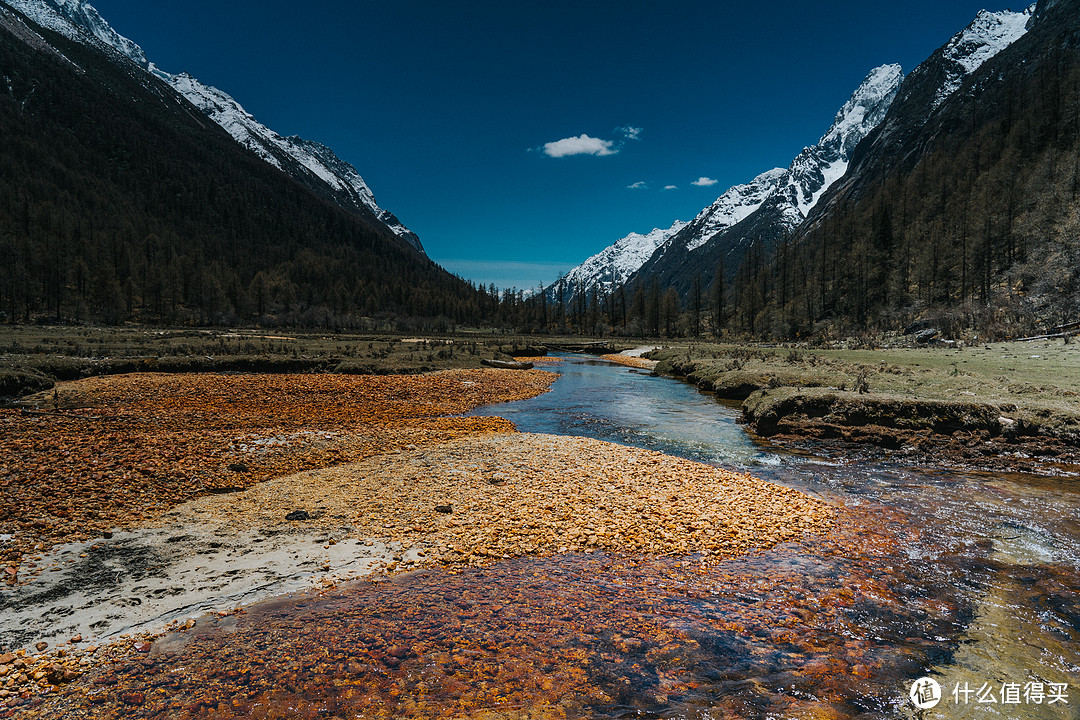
[671, 187]
[704, 181]
[639, 185]
[629, 132]
[580, 145]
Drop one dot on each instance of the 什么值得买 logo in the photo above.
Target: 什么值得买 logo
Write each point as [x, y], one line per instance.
[926, 693]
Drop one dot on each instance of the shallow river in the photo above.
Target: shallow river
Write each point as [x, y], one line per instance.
[980, 572]
[971, 580]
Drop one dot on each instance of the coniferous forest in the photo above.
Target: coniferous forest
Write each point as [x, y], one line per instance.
[119, 201]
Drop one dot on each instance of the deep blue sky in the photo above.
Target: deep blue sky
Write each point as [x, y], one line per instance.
[444, 107]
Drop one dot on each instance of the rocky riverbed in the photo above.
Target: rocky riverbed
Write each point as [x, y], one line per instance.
[186, 495]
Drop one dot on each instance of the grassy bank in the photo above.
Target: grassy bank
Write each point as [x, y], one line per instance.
[34, 358]
[981, 401]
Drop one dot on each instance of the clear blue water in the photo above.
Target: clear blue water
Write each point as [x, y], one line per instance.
[597, 399]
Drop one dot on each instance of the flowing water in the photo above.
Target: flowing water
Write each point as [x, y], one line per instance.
[971, 580]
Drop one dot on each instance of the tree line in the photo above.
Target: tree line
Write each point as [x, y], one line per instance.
[974, 227]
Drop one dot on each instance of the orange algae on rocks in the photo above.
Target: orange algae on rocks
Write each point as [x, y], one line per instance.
[530, 494]
[480, 498]
[572, 635]
[630, 361]
[118, 450]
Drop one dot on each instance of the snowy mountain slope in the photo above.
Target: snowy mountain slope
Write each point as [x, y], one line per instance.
[732, 207]
[311, 163]
[782, 199]
[921, 96]
[987, 35]
[818, 167]
[614, 264]
[14, 24]
[314, 164]
[813, 170]
[79, 21]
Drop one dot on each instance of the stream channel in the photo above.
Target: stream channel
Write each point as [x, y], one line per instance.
[969, 579]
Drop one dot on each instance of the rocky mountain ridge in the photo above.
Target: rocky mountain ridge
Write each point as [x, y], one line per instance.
[312, 164]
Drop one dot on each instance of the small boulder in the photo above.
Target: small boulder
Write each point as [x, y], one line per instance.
[58, 674]
[925, 336]
[132, 698]
[298, 515]
[444, 508]
[916, 327]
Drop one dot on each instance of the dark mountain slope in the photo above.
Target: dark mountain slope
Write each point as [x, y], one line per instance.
[118, 199]
[967, 212]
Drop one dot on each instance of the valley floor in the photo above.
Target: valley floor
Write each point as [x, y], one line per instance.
[133, 503]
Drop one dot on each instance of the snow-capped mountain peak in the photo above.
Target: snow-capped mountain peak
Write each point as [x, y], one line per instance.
[615, 263]
[987, 35]
[816, 168]
[312, 163]
[733, 206]
[863, 110]
[790, 193]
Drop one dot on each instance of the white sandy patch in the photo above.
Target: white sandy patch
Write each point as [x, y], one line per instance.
[639, 351]
[141, 580]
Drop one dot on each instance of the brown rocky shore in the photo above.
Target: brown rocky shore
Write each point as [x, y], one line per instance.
[970, 434]
[205, 492]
